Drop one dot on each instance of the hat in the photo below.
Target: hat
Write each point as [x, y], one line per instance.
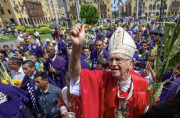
[47, 40]
[121, 42]
[53, 41]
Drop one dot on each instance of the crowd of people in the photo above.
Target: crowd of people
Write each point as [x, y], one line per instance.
[86, 73]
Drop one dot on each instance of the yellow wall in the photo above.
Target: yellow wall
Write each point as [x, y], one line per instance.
[148, 7]
[107, 2]
[46, 6]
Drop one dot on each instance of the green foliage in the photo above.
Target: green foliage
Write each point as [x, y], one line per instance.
[90, 13]
[170, 59]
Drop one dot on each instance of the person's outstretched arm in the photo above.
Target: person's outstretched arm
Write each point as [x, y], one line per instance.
[77, 37]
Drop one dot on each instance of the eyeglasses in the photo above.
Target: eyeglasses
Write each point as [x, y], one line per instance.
[118, 60]
[27, 41]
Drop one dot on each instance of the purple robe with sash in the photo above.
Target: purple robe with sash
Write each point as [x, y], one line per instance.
[39, 50]
[84, 65]
[16, 100]
[57, 64]
[108, 34]
[94, 56]
[29, 48]
[62, 46]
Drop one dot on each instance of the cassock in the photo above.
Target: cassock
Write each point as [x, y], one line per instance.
[12, 100]
[57, 63]
[99, 36]
[108, 34]
[39, 50]
[99, 96]
[62, 46]
[170, 91]
[29, 47]
[94, 56]
[84, 65]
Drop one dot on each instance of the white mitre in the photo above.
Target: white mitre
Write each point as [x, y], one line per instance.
[121, 42]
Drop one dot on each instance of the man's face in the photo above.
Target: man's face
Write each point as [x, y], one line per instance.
[41, 42]
[139, 38]
[148, 38]
[45, 57]
[86, 52]
[48, 43]
[139, 33]
[54, 44]
[176, 70]
[40, 83]
[6, 48]
[27, 41]
[99, 46]
[67, 83]
[11, 66]
[63, 37]
[99, 67]
[144, 46]
[118, 66]
[27, 70]
[33, 58]
[104, 36]
[17, 54]
[144, 71]
[50, 53]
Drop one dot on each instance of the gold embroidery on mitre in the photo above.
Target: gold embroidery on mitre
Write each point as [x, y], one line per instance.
[118, 43]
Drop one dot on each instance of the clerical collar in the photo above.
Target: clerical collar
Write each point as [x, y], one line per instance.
[125, 85]
[53, 58]
[32, 77]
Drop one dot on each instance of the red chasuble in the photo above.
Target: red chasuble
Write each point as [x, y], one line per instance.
[99, 96]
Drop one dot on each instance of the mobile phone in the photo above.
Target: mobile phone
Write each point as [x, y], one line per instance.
[140, 65]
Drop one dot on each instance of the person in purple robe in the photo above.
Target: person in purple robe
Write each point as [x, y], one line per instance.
[62, 45]
[99, 50]
[29, 46]
[98, 35]
[108, 33]
[53, 65]
[170, 88]
[40, 49]
[101, 31]
[12, 100]
[84, 64]
[8, 51]
[28, 84]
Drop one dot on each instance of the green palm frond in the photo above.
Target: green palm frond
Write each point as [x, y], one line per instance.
[6, 76]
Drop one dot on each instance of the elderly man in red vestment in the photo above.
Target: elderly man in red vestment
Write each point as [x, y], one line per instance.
[119, 93]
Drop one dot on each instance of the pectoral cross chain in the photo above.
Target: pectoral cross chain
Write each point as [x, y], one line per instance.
[122, 109]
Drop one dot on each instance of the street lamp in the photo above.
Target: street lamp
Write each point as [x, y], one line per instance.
[29, 14]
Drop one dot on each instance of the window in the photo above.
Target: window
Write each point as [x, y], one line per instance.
[134, 8]
[72, 3]
[169, 7]
[5, 1]
[2, 11]
[87, 2]
[151, 0]
[90, 2]
[108, 10]
[9, 11]
[107, 1]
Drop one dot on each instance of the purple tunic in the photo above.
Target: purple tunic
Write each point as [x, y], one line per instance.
[57, 64]
[62, 46]
[94, 56]
[108, 34]
[26, 48]
[12, 107]
[39, 50]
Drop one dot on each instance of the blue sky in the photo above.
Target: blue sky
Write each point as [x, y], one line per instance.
[116, 1]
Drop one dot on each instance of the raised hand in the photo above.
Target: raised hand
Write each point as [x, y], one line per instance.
[78, 35]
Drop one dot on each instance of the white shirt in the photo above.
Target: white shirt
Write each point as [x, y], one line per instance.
[17, 75]
[19, 39]
[36, 33]
[53, 58]
[75, 87]
[37, 41]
